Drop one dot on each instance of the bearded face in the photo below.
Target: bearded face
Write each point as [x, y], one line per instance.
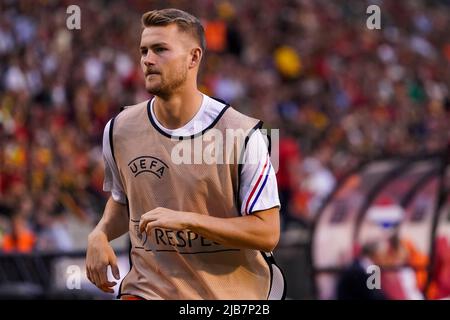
[164, 59]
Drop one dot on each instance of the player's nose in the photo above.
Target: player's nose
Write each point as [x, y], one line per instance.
[149, 59]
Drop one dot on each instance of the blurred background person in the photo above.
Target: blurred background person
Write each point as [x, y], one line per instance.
[353, 282]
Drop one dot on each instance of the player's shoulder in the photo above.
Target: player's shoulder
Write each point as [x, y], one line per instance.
[226, 116]
[130, 112]
[231, 112]
[142, 104]
[238, 119]
[127, 114]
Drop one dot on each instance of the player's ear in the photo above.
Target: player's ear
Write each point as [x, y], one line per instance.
[196, 57]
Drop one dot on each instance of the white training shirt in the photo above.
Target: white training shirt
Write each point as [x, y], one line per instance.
[258, 189]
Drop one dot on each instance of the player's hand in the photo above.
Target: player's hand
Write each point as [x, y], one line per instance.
[165, 218]
[99, 255]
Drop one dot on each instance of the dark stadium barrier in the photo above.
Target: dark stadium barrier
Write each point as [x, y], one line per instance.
[44, 275]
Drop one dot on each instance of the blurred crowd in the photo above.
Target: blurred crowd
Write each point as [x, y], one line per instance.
[340, 93]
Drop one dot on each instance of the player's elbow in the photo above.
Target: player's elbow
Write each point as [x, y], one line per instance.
[270, 227]
[270, 241]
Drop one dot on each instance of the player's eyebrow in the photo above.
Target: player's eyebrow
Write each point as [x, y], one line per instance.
[157, 44]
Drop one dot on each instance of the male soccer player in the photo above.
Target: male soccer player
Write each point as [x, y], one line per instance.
[198, 229]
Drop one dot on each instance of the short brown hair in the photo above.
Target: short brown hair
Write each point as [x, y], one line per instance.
[185, 22]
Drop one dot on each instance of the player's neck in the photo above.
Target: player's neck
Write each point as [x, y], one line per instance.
[176, 110]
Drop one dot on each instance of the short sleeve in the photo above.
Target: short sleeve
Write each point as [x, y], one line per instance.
[111, 182]
[258, 188]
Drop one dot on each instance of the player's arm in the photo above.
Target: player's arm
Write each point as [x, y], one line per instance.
[260, 230]
[112, 225]
[100, 254]
[114, 222]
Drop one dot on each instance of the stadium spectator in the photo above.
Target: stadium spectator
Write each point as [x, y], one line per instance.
[352, 283]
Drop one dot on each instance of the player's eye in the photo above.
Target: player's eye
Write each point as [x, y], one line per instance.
[160, 49]
[144, 52]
